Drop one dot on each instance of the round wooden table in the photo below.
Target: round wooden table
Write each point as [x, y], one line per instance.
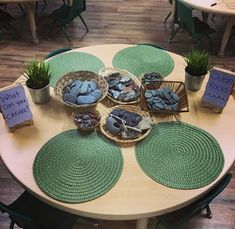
[221, 7]
[135, 196]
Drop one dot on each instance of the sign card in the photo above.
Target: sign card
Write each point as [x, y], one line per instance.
[219, 87]
[14, 105]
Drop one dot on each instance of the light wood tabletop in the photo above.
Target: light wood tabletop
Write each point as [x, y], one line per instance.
[221, 7]
[135, 195]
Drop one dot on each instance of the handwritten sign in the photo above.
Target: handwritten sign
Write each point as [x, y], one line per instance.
[14, 106]
[219, 87]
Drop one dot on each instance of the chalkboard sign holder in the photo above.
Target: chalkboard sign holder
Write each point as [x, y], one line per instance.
[28, 120]
[218, 89]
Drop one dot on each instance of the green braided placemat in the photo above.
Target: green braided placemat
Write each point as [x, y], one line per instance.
[73, 167]
[144, 58]
[180, 156]
[73, 61]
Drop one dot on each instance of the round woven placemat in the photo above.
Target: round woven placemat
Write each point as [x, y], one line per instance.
[73, 167]
[143, 58]
[180, 156]
[73, 61]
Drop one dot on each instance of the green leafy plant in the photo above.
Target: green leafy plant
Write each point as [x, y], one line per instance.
[38, 74]
[197, 62]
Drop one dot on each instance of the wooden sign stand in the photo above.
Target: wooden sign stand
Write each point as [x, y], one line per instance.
[14, 107]
[218, 89]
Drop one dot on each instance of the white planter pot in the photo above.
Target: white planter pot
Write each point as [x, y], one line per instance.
[40, 96]
[193, 83]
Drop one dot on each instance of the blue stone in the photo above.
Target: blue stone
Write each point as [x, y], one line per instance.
[75, 90]
[175, 96]
[119, 86]
[73, 84]
[70, 98]
[67, 90]
[92, 85]
[158, 105]
[84, 88]
[86, 99]
[125, 79]
[148, 95]
[97, 94]
[113, 126]
[78, 83]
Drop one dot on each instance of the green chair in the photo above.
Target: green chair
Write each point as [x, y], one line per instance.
[29, 212]
[56, 52]
[169, 14]
[5, 22]
[175, 219]
[66, 14]
[196, 28]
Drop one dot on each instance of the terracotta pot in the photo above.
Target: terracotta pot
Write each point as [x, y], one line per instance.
[193, 83]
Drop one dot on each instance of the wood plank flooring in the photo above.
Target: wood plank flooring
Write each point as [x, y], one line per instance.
[114, 21]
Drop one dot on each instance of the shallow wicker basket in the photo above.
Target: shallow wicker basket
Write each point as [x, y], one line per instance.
[80, 75]
[176, 86]
[118, 138]
[108, 70]
[79, 127]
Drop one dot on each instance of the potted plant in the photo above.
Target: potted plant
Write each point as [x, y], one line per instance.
[38, 78]
[197, 66]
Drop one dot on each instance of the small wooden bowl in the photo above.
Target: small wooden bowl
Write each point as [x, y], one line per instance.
[85, 112]
[108, 70]
[80, 75]
[118, 138]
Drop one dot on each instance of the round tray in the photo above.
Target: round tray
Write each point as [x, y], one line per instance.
[108, 70]
[117, 138]
[80, 75]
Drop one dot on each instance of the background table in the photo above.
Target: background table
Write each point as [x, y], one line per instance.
[220, 8]
[135, 196]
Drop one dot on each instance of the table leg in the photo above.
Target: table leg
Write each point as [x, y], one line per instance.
[227, 31]
[142, 223]
[172, 23]
[29, 7]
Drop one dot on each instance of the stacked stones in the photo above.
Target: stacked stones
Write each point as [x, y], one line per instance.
[152, 78]
[126, 124]
[122, 88]
[162, 99]
[82, 92]
[86, 120]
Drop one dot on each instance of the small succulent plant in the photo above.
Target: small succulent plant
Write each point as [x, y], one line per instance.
[37, 73]
[197, 62]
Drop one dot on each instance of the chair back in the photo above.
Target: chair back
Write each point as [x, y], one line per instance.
[78, 6]
[20, 220]
[205, 201]
[185, 15]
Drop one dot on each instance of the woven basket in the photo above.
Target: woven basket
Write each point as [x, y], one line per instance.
[176, 86]
[80, 75]
[108, 70]
[118, 138]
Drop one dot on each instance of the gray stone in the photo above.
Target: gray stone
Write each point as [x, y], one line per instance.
[168, 107]
[148, 95]
[119, 86]
[125, 79]
[85, 99]
[71, 85]
[67, 90]
[175, 96]
[78, 83]
[158, 105]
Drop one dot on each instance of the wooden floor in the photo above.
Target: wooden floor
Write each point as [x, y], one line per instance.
[114, 21]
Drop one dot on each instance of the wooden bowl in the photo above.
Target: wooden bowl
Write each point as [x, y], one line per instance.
[68, 78]
[118, 138]
[108, 70]
[176, 86]
[75, 114]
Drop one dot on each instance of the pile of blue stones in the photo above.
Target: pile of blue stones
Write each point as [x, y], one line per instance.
[162, 99]
[122, 88]
[151, 78]
[128, 125]
[86, 119]
[82, 92]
